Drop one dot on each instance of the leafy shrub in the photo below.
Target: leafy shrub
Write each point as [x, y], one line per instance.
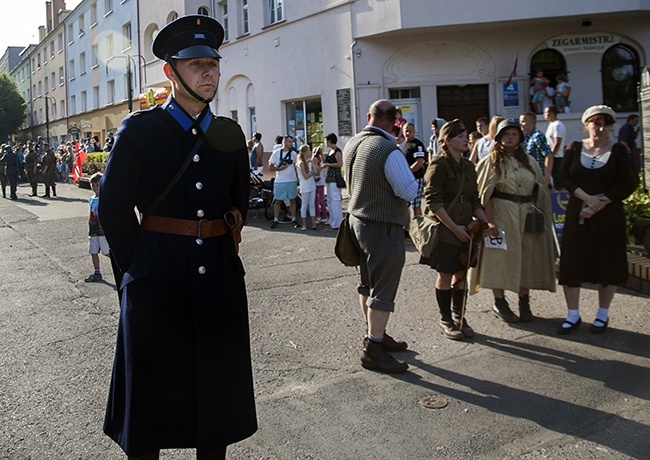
[637, 207]
[96, 162]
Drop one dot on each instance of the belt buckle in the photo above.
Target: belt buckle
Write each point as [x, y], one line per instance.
[198, 233]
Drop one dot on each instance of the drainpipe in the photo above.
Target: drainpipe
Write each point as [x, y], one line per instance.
[354, 90]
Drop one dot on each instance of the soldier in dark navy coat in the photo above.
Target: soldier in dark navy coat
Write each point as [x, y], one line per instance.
[182, 373]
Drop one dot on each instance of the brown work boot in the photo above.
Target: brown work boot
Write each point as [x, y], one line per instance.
[374, 357]
[392, 345]
[501, 308]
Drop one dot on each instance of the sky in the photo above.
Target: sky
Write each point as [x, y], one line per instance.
[19, 21]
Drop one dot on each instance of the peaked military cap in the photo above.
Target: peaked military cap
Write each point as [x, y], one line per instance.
[189, 37]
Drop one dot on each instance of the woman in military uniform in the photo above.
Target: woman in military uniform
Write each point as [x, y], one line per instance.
[451, 197]
[182, 373]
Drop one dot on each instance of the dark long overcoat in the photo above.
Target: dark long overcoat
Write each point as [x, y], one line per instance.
[182, 372]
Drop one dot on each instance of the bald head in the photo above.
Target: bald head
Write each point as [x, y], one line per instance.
[382, 114]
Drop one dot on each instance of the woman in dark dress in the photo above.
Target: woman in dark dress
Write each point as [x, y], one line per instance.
[597, 173]
[447, 174]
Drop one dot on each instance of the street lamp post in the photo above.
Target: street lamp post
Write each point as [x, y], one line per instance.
[47, 114]
[129, 76]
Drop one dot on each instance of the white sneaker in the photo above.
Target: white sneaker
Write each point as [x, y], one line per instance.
[304, 229]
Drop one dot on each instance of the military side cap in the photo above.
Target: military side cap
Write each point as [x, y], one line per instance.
[450, 130]
[189, 37]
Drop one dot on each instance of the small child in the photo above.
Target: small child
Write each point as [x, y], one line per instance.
[562, 92]
[538, 90]
[96, 239]
[306, 173]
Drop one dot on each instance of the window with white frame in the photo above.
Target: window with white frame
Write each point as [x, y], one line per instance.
[40, 88]
[203, 11]
[245, 28]
[276, 11]
[108, 7]
[82, 25]
[53, 78]
[61, 76]
[110, 91]
[46, 82]
[82, 63]
[126, 36]
[70, 33]
[52, 49]
[95, 55]
[54, 110]
[40, 115]
[84, 101]
[223, 9]
[73, 105]
[62, 107]
[38, 60]
[59, 43]
[71, 70]
[93, 14]
[95, 97]
[109, 46]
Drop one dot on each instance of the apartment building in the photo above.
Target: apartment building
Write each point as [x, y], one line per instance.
[310, 68]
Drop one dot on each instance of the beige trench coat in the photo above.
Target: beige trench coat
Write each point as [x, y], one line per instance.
[529, 261]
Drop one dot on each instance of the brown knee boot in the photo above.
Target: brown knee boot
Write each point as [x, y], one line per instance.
[446, 323]
[458, 298]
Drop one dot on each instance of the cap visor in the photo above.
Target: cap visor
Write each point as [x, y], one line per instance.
[198, 51]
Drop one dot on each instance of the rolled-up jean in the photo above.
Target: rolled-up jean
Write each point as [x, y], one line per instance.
[334, 204]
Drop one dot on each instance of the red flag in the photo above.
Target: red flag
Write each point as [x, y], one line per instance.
[77, 171]
[514, 68]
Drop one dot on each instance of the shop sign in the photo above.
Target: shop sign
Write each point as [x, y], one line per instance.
[154, 96]
[583, 43]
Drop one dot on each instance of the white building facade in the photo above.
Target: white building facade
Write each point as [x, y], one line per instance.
[313, 67]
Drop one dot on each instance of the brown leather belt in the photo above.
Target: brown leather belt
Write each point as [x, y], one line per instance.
[511, 197]
[186, 227]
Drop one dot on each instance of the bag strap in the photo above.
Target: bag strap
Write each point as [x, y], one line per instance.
[176, 178]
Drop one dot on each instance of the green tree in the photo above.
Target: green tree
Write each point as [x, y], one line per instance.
[12, 107]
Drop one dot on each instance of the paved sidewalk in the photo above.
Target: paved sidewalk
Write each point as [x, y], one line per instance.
[514, 392]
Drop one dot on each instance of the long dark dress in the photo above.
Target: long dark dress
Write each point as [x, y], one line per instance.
[594, 251]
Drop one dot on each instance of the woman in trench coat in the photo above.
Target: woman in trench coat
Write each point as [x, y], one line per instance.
[509, 181]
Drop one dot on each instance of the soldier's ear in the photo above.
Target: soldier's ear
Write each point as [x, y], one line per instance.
[169, 72]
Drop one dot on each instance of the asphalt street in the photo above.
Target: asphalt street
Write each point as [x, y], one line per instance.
[513, 392]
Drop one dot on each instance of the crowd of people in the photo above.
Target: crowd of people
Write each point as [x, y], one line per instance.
[36, 161]
[492, 202]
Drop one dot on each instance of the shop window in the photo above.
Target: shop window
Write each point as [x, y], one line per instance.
[620, 74]
[550, 61]
[304, 122]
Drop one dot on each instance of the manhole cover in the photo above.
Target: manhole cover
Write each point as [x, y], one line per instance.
[431, 402]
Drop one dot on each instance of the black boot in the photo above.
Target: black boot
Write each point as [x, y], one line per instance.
[525, 314]
[458, 297]
[54, 189]
[376, 358]
[446, 323]
[502, 310]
